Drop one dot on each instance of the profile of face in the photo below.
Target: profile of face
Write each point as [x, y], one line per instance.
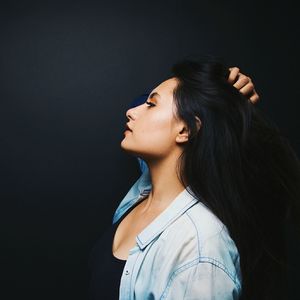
[155, 133]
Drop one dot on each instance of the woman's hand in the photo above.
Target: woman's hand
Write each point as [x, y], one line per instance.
[243, 83]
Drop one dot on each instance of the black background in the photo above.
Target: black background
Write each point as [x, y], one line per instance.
[68, 71]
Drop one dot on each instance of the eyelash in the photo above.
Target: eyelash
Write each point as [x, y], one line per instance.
[150, 103]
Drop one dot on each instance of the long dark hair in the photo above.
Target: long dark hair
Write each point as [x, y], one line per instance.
[241, 167]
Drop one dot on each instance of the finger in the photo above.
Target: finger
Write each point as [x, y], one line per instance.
[242, 81]
[254, 98]
[234, 71]
[248, 89]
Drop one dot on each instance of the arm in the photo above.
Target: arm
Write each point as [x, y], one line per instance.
[203, 281]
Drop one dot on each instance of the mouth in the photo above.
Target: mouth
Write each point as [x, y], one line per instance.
[127, 131]
[127, 128]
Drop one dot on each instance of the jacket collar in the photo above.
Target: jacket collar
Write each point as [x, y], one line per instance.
[178, 206]
[142, 187]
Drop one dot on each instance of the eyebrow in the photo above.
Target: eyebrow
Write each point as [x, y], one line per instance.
[154, 94]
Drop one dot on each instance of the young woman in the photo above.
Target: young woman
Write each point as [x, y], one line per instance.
[203, 221]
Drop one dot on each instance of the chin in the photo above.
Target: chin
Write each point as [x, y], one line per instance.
[131, 151]
[126, 148]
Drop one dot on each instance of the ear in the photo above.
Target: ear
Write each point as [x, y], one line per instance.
[198, 123]
[183, 135]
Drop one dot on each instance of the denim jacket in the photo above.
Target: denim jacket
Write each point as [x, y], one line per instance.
[185, 253]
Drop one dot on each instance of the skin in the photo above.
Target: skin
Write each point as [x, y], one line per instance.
[244, 84]
[157, 137]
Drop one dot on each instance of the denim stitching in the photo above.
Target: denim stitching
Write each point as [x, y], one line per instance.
[191, 264]
[170, 221]
[198, 237]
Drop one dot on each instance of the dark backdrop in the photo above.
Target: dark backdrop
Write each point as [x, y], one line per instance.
[68, 73]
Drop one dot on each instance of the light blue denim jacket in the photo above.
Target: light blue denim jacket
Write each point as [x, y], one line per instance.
[185, 253]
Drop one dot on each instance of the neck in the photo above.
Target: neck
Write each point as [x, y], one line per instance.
[165, 184]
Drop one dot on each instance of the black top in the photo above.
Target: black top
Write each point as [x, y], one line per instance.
[106, 269]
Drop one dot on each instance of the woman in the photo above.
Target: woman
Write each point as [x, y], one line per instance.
[202, 220]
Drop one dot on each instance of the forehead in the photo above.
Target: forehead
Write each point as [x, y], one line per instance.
[166, 88]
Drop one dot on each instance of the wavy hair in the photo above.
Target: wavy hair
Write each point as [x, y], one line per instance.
[241, 167]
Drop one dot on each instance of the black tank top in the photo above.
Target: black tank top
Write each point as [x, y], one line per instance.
[105, 269]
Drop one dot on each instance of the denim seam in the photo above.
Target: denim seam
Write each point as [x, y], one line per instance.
[162, 229]
[176, 272]
[198, 237]
[221, 266]
[214, 261]
[191, 264]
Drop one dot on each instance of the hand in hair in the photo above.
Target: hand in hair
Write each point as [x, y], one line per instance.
[243, 83]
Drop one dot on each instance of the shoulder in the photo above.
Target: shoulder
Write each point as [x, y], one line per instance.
[194, 255]
[204, 239]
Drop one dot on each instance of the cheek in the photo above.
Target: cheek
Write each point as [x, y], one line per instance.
[156, 126]
[151, 138]
[155, 135]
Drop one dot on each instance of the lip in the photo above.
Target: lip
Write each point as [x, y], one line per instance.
[127, 127]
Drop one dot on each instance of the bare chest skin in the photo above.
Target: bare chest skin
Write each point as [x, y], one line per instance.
[125, 235]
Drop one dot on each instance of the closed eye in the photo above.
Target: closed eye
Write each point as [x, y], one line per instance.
[150, 103]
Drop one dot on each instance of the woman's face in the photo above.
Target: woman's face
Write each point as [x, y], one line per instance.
[155, 131]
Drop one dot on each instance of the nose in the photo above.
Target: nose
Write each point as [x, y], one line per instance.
[136, 102]
[129, 114]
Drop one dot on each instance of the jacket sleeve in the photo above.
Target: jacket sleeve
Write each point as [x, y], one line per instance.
[203, 281]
